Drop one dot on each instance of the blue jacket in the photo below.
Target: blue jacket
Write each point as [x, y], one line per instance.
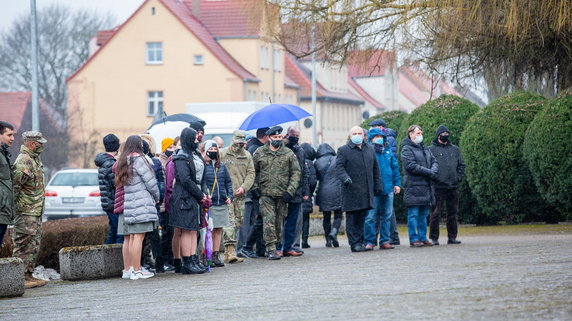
[223, 188]
[390, 138]
[388, 167]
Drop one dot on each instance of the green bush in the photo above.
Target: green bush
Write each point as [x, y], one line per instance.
[63, 233]
[393, 119]
[496, 169]
[548, 152]
[453, 112]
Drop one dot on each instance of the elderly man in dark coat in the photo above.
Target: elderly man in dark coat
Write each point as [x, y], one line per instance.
[357, 169]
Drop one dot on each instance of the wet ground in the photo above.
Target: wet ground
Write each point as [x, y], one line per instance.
[492, 277]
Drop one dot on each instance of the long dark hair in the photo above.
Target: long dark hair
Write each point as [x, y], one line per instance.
[217, 160]
[134, 144]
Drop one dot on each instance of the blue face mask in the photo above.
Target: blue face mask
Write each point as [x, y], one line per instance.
[357, 139]
[378, 141]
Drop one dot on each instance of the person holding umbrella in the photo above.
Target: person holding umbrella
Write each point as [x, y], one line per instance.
[277, 178]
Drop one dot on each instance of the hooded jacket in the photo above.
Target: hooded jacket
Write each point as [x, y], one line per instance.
[6, 188]
[223, 188]
[329, 193]
[141, 192]
[390, 136]
[303, 188]
[451, 165]
[105, 162]
[310, 154]
[419, 170]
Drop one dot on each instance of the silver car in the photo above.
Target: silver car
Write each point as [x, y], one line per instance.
[73, 193]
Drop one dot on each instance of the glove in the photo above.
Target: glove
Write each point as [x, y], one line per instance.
[287, 197]
[207, 203]
[255, 193]
[348, 181]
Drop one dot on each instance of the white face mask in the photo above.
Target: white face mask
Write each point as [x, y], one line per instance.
[418, 140]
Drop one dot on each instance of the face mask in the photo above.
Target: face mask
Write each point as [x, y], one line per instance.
[292, 141]
[378, 141]
[39, 149]
[444, 138]
[238, 146]
[419, 139]
[168, 153]
[200, 138]
[212, 155]
[357, 139]
[276, 143]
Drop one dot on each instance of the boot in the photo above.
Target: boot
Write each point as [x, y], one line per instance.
[177, 263]
[189, 267]
[230, 253]
[201, 264]
[159, 265]
[328, 241]
[305, 244]
[32, 282]
[216, 260]
[334, 237]
[195, 263]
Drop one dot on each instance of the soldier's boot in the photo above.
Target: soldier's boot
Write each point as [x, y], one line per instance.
[32, 282]
[230, 253]
[177, 263]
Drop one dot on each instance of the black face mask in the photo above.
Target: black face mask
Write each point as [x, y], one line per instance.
[276, 143]
[168, 153]
[444, 138]
[212, 155]
[292, 141]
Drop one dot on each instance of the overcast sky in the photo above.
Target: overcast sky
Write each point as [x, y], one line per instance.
[12, 9]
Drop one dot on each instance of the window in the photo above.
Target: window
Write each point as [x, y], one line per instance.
[198, 60]
[264, 58]
[277, 60]
[154, 52]
[153, 11]
[154, 102]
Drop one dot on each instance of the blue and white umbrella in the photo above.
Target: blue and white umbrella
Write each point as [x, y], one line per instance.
[170, 127]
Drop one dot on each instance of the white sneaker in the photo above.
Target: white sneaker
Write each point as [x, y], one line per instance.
[127, 273]
[141, 274]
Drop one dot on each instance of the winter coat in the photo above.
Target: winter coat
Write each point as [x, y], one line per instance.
[277, 172]
[303, 187]
[451, 165]
[329, 193]
[419, 170]
[223, 188]
[253, 145]
[240, 167]
[312, 182]
[390, 138]
[169, 182]
[388, 166]
[7, 207]
[361, 166]
[187, 192]
[158, 170]
[105, 162]
[141, 192]
[28, 178]
[119, 201]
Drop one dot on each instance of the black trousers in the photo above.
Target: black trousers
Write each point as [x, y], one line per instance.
[354, 227]
[255, 234]
[166, 238]
[327, 222]
[305, 226]
[451, 197]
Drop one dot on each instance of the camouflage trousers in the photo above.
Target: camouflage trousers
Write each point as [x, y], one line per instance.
[236, 211]
[27, 236]
[273, 211]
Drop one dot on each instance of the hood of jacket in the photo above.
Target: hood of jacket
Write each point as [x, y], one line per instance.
[309, 151]
[188, 137]
[389, 132]
[101, 158]
[408, 142]
[324, 150]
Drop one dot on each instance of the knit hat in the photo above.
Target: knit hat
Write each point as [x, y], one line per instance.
[378, 122]
[197, 126]
[442, 129]
[210, 143]
[111, 143]
[375, 132]
[165, 143]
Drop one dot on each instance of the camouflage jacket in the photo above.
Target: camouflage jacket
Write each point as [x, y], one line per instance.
[240, 166]
[28, 172]
[276, 171]
[6, 188]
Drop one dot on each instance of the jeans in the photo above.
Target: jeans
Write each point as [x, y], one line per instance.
[417, 223]
[383, 208]
[290, 222]
[3, 228]
[394, 234]
[112, 237]
[451, 197]
[354, 227]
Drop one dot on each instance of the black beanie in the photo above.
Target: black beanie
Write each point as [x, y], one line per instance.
[111, 143]
[197, 126]
[442, 129]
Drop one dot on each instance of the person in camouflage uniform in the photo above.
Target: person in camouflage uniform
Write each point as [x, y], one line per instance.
[6, 185]
[28, 173]
[241, 168]
[277, 178]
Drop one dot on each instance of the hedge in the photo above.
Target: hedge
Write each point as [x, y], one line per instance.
[62, 233]
[393, 119]
[496, 170]
[548, 152]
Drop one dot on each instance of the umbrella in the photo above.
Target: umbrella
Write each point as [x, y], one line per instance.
[209, 240]
[273, 114]
[170, 126]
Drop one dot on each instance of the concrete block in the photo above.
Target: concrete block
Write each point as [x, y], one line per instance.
[11, 277]
[91, 262]
[316, 227]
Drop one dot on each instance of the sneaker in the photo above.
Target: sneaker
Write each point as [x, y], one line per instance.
[394, 242]
[141, 274]
[435, 241]
[127, 273]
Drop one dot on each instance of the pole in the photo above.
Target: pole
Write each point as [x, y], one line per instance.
[314, 108]
[34, 54]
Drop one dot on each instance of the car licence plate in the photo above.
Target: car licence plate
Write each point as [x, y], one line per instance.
[72, 200]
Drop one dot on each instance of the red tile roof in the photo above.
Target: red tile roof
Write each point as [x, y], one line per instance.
[13, 106]
[182, 12]
[230, 18]
[369, 63]
[103, 35]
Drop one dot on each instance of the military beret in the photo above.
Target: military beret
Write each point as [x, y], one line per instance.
[274, 130]
[34, 136]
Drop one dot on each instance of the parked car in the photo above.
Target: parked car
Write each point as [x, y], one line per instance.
[73, 193]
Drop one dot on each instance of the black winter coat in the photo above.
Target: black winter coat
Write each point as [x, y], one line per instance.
[185, 211]
[223, 188]
[451, 165]
[419, 170]
[312, 182]
[104, 162]
[160, 176]
[359, 164]
[329, 193]
[303, 188]
[253, 145]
